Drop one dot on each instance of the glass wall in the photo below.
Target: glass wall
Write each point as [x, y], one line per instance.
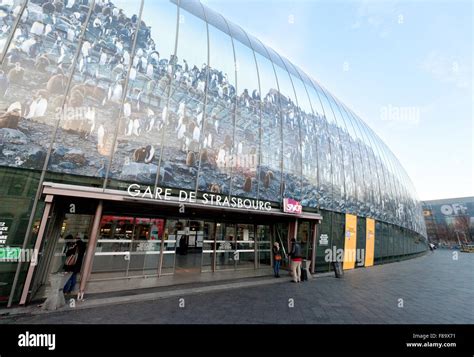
[146, 120]
[271, 132]
[310, 186]
[170, 93]
[17, 191]
[323, 142]
[247, 142]
[337, 202]
[10, 10]
[226, 115]
[35, 72]
[185, 112]
[290, 116]
[96, 107]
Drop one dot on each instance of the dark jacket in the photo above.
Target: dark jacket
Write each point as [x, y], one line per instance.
[295, 250]
[80, 247]
[276, 251]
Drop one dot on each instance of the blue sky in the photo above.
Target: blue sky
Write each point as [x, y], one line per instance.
[380, 57]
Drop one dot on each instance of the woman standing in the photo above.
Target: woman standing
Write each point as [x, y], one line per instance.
[276, 259]
[73, 264]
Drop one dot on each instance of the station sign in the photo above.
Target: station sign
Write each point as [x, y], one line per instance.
[292, 206]
[211, 199]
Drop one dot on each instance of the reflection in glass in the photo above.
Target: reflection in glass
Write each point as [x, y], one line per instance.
[217, 153]
[247, 126]
[271, 146]
[145, 109]
[9, 12]
[33, 79]
[185, 111]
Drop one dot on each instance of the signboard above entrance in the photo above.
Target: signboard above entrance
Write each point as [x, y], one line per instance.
[292, 206]
[207, 198]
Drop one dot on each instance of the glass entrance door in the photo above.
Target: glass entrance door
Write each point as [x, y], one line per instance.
[244, 255]
[264, 245]
[128, 247]
[236, 246]
[190, 236]
[225, 246]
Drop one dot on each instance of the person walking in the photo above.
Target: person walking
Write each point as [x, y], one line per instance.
[73, 264]
[276, 259]
[295, 254]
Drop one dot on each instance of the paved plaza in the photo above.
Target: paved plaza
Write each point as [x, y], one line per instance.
[432, 289]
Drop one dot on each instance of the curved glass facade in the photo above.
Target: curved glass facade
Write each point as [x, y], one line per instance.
[171, 94]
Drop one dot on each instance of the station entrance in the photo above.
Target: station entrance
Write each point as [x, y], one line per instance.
[132, 245]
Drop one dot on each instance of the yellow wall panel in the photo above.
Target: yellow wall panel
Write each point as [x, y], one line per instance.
[350, 242]
[369, 242]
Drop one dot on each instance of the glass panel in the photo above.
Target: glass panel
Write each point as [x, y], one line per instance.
[189, 244]
[74, 226]
[170, 242]
[128, 246]
[186, 105]
[376, 175]
[89, 119]
[309, 149]
[362, 169]
[145, 110]
[321, 136]
[217, 153]
[37, 67]
[112, 253]
[337, 201]
[391, 204]
[281, 236]
[146, 246]
[247, 125]
[9, 11]
[271, 149]
[381, 214]
[208, 247]
[245, 242]
[371, 174]
[347, 158]
[304, 237]
[291, 135]
[225, 246]
[264, 240]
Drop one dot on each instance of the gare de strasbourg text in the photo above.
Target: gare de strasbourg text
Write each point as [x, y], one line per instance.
[207, 198]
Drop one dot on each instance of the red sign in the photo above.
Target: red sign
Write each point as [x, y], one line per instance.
[292, 206]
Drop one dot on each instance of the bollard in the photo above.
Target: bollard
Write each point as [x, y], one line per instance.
[339, 273]
[55, 299]
[305, 265]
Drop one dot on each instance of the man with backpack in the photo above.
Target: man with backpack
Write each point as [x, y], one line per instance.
[296, 259]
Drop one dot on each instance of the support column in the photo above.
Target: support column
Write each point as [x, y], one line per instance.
[292, 233]
[313, 255]
[90, 250]
[292, 230]
[34, 262]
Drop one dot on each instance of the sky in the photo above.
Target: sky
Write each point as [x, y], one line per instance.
[405, 67]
